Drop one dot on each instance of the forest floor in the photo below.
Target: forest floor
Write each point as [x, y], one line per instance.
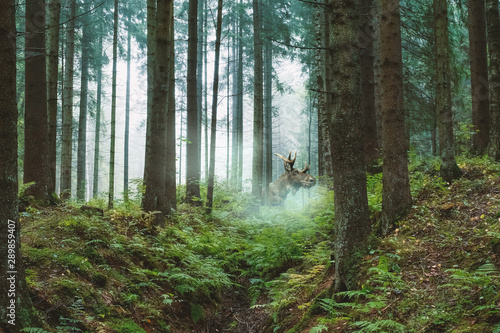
[239, 272]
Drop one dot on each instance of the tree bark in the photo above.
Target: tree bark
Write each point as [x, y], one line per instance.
[95, 187]
[193, 168]
[234, 99]
[211, 175]
[52, 80]
[327, 159]
[240, 102]
[352, 216]
[127, 110]
[396, 195]
[11, 266]
[113, 111]
[449, 167]
[493, 21]
[151, 41]
[170, 167]
[371, 145]
[319, 72]
[258, 113]
[268, 103]
[36, 134]
[67, 111]
[154, 197]
[479, 75]
[202, 114]
[82, 123]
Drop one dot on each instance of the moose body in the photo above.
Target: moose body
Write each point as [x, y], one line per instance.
[290, 181]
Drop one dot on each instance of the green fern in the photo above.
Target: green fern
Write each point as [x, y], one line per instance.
[318, 329]
[34, 330]
[380, 326]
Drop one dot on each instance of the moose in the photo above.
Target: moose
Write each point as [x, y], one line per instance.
[291, 180]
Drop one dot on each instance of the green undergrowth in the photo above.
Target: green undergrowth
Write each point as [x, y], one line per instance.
[117, 273]
[438, 271]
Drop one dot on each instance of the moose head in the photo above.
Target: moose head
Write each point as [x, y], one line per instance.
[291, 180]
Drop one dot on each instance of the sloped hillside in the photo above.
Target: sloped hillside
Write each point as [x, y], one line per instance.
[235, 271]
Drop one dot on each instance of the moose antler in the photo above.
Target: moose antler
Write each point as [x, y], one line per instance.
[305, 169]
[288, 161]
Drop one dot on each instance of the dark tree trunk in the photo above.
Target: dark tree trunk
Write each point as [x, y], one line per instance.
[170, 168]
[493, 20]
[326, 128]
[151, 41]
[204, 109]
[228, 109]
[67, 110]
[449, 167]
[352, 216]
[268, 103]
[319, 69]
[52, 79]
[396, 196]
[82, 123]
[211, 175]
[234, 99]
[127, 110]
[479, 75]
[154, 197]
[240, 103]
[95, 187]
[113, 111]
[202, 114]
[36, 134]
[11, 265]
[192, 151]
[371, 146]
[258, 113]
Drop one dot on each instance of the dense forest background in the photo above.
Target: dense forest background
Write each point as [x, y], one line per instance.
[152, 152]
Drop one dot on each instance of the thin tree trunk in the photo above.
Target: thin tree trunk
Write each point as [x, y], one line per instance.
[199, 84]
[170, 168]
[127, 110]
[205, 85]
[180, 147]
[228, 110]
[11, 262]
[268, 105]
[396, 195]
[67, 112]
[352, 216]
[434, 136]
[193, 152]
[258, 113]
[493, 20]
[211, 176]
[449, 167]
[240, 102]
[235, 97]
[52, 80]
[36, 134]
[95, 187]
[479, 75]
[113, 111]
[82, 123]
